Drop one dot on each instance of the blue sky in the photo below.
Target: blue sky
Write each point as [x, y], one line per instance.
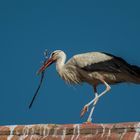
[27, 28]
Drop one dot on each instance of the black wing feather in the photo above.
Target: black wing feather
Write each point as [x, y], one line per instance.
[106, 66]
[115, 65]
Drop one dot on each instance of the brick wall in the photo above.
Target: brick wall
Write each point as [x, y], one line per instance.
[120, 131]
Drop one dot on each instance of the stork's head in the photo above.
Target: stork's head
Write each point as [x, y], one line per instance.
[55, 55]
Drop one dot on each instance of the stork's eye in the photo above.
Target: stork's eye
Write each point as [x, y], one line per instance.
[53, 54]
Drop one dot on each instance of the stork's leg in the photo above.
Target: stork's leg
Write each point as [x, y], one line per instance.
[96, 99]
[93, 108]
[85, 109]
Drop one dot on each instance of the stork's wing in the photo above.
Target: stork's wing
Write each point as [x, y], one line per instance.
[96, 61]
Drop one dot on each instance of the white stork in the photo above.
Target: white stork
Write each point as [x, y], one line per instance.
[94, 68]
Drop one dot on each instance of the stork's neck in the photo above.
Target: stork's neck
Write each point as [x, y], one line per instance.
[60, 64]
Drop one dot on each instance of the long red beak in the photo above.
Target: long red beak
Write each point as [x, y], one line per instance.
[47, 64]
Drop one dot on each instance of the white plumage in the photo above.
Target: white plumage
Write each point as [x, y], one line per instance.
[89, 58]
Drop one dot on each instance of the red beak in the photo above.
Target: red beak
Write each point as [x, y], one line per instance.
[47, 64]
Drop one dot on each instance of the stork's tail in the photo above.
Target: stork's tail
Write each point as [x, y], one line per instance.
[135, 73]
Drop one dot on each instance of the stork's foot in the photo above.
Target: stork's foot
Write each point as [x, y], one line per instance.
[87, 123]
[84, 110]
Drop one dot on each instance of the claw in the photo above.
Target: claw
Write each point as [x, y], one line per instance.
[84, 110]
